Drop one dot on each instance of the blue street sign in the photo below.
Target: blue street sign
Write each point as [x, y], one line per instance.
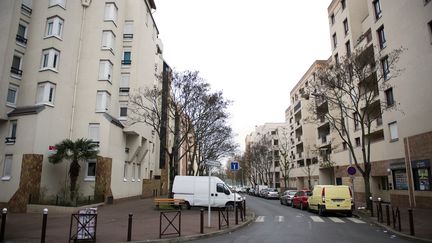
[234, 166]
[351, 170]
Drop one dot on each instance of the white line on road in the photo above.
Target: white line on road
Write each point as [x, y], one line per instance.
[336, 220]
[357, 221]
[317, 219]
[260, 219]
[279, 219]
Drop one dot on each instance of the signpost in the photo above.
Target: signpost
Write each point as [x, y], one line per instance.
[210, 165]
[234, 166]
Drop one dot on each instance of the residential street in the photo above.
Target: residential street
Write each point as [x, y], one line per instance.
[279, 223]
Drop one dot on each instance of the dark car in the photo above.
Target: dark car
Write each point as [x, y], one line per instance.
[287, 196]
[300, 199]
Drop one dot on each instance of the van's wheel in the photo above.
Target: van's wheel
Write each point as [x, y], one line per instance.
[320, 210]
[349, 214]
[187, 205]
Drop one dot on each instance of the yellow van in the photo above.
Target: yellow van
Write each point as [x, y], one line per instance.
[331, 198]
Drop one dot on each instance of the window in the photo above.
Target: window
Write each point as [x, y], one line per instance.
[356, 121]
[90, 170]
[273, 132]
[385, 68]
[16, 65]
[422, 175]
[344, 146]
[93, 132]
[54, 27]
[133, 172]
[381, 38]
[128, 30]
[343, 3]
[126, 58]
[357, 141]
[400, 179]
[384, 183]
[103, 99]
[430, 30]
[11, 138]
[124, 84]
[61, 3]
[7, 167]
[45, 93]
[377, 9]
[334, 40]
[277, 164]
[105, 70]
[50, 59]
[139, 171]
[21, 36]
[332, 19]
[346, 27]
[389, 97]
[108, 40]
[110, 12]
[276, 142]
[123, 110]
[348, 48]
[368, 35]
[26, 7]
[12, 95]
[393, 131]
[336, 58]
[125, 171]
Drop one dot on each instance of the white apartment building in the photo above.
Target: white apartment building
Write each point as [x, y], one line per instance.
[401, 140]
[67, 71]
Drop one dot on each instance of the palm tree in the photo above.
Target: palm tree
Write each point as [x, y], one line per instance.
[81, 149]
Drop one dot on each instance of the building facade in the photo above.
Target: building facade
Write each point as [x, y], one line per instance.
[67, 72]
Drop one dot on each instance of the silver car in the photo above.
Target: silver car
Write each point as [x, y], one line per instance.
[287, 196]
[272, 193]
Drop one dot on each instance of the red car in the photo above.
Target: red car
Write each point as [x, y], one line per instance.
[300, 199]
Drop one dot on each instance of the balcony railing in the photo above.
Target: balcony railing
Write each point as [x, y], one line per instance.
[27, 10]
[379, 121]
[16, 71]
[127, 36]
[124, 89]
[126, 62]
[21, 39]
[10, 140]
[297, 106]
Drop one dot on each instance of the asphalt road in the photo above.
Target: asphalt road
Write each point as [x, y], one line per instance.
[279, 223]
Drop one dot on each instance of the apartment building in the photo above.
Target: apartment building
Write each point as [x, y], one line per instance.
[67, 71]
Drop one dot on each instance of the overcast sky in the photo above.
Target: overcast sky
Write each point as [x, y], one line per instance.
[255, 51]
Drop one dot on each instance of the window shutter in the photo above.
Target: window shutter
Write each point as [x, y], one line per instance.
[124, 82]
[102, 75]
[40, 93]
[99, 98]
[28, 3]
[128, 28]
[393, 131]
[94, 132]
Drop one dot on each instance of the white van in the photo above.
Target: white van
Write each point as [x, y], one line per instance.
[195, 191]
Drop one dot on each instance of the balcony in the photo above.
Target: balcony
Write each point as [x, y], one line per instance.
[324, 140]
[25, 9]
[21, 39]
[126, 62]
[297, 106]
[16, 71]
[10, 140]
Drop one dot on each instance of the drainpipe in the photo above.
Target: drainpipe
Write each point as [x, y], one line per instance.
[410, 179]
[85, 4]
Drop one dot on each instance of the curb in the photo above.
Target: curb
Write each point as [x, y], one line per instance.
[390, 229]
[200, 236]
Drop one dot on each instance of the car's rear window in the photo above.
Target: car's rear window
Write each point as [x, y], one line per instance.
[292, 193]
[309, 193]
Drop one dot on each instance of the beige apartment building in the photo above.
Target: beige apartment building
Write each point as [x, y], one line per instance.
[401, 140]
[68, 67]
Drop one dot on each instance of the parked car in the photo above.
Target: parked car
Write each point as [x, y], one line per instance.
[300, 199]
[272, 193]
[287, 196]
[263, 192]
[330, 198]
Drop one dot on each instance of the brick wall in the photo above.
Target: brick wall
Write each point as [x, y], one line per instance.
[103, 177]
[151, 188]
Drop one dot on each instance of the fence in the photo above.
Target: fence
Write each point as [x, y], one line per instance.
[394, 218]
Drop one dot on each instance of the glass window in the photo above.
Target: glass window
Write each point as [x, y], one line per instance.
[220, 187]
[13, 129]
[346, 27]
[393, 131]
[126, 58]
[357, 141]
[389, 97]
[57, 2]
[16, 64]
[334, 40]
[54, 27]
[124, 84]
[377, 9]
[400, 180]
[21, 36]
[332, 19]
[12, 95]
[50, 59]
[139, 171]
[385, 68]
[45, 93]
[348, 48]
[91, 170]
[422, 178]
[123, 110]
[133, 171]
[381, 38]
[93, 132]
[343, 4]
[128, 30]
[7, 167]
[125, 171]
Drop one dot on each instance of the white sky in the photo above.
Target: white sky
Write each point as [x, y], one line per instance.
[254, 51]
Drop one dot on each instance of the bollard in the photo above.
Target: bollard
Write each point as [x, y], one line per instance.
[202, 221]
[44, 224]
[399, 220]
[129, 232]
[227, 214]
[372, 210]
[380, 213]
[236, 214]
[388, 214]
[241, 213]
[411, 221]
[394, 218]
[244, 208]
[3, 225]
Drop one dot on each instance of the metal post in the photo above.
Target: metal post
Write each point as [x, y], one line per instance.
[235, 202]
[398, 218]
[202, 221]
[388, 214]
[411, 221]
[209, 201]
[129, 232]
[227, 214]
[236, 216]
[380, 218]
[372, 210]
[3, 225]
[394, 218]
[244, 207]
[44, 223]
[219, 212]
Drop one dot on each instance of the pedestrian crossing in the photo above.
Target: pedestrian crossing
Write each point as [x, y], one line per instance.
[315, 219]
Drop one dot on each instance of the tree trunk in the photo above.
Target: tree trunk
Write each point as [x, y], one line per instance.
[73, 175]
[366, 177]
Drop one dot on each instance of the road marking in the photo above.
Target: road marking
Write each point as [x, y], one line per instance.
[279, 219]
[357, 221]
[317, 219]
[260, 219]
[336, 220]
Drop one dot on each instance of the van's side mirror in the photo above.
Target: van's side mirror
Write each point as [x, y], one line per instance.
[226, 191]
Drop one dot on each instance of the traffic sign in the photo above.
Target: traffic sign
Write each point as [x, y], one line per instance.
[213, 163]
[234, 166]
[351, 170]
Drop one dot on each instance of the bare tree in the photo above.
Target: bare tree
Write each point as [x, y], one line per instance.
[286, 161]
[350, 89]
[261, 159]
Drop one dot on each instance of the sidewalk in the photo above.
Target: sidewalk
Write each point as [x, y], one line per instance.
[112, 224]
[422, 219]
